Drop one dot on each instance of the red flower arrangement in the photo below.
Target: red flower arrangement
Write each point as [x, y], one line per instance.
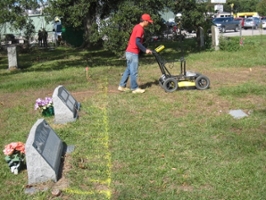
[15, 156]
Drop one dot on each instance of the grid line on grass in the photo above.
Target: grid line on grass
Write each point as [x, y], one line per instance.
[101, 142]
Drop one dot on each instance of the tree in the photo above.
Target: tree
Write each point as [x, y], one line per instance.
[242, 6]
[194, 16]
[118, 27]
[112, 20]
[261, 8]
[29, 29]
[14, 12]
[82, 14]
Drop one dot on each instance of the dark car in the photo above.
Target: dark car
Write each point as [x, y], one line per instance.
[226, 23]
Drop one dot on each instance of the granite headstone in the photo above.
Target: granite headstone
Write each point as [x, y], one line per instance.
[215, 37]
[12, 57]
[65, 105]
[44, 150]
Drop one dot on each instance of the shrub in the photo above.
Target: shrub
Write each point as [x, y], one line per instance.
[229, 43]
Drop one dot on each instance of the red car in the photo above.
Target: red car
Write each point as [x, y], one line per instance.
[241, 20]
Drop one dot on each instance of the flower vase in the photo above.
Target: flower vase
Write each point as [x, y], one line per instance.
[49, 111]
[16, 162]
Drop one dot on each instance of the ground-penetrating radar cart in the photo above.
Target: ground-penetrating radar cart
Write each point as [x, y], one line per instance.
[186, 79]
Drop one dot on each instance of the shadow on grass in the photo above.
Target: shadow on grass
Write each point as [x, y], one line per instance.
[61, 58]
[261, 112]
[149, 84]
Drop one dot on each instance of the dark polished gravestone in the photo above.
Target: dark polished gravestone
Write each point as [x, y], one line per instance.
[65, 105]
[44, 152]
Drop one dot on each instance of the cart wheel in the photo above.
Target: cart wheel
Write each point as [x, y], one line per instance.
[202, 82]
[170, 85]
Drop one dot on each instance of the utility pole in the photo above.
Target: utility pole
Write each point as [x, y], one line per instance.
[232, 6]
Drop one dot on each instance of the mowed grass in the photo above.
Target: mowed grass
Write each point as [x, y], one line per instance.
[156, 145]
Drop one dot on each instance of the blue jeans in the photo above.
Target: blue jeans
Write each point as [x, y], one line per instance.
[131, 71]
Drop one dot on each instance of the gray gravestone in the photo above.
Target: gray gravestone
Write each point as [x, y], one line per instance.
[12, 57]
[215, 37]
[65, 106]
[44, 151]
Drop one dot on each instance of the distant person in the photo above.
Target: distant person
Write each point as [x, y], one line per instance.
[135, 45]
[44, 37]
[57, 31]
[40, 38]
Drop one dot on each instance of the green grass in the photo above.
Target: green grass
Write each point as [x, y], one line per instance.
[156, 145]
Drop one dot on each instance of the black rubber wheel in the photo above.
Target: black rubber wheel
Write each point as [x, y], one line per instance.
[170, 85]
[202, 82]
[223, 30]
[236, 29]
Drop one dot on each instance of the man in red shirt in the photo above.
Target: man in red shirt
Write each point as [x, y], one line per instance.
[132, 55]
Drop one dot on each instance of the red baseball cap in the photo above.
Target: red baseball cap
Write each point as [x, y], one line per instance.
[147, 17]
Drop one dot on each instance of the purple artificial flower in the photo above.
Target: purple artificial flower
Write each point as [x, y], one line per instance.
[43, 103]
[36, 106]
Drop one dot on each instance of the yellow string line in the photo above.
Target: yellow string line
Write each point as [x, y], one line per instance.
[107, 193]
[105, 142]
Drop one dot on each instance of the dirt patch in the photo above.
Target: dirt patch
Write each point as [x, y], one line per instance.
[236, 76]
[63, 182]
[56, 188]
[218, 78]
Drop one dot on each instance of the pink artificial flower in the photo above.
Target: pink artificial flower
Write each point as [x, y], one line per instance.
[8, 151]
[10, 148]
[20, 147]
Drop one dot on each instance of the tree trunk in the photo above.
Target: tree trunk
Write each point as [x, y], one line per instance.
[87, 29]
[200, 37]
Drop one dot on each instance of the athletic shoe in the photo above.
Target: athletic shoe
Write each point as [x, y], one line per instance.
[123, 89]
[138, 90]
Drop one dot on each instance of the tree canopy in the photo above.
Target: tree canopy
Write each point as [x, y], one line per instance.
[261, 8]
[242, 5]
[111, 22]
[194, 15]
[127, 14]
[14, 11]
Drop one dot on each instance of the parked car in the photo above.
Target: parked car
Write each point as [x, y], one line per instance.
[263, 23]
[226, 23]
[241, 21]
[251, 22]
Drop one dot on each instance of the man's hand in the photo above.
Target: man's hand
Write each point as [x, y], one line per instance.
[148, 51]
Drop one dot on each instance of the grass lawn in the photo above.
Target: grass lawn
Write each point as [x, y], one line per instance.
[156, 145]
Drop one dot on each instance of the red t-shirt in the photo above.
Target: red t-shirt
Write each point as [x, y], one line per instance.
[137, 32]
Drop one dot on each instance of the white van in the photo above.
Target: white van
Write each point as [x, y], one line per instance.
[223, 14]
